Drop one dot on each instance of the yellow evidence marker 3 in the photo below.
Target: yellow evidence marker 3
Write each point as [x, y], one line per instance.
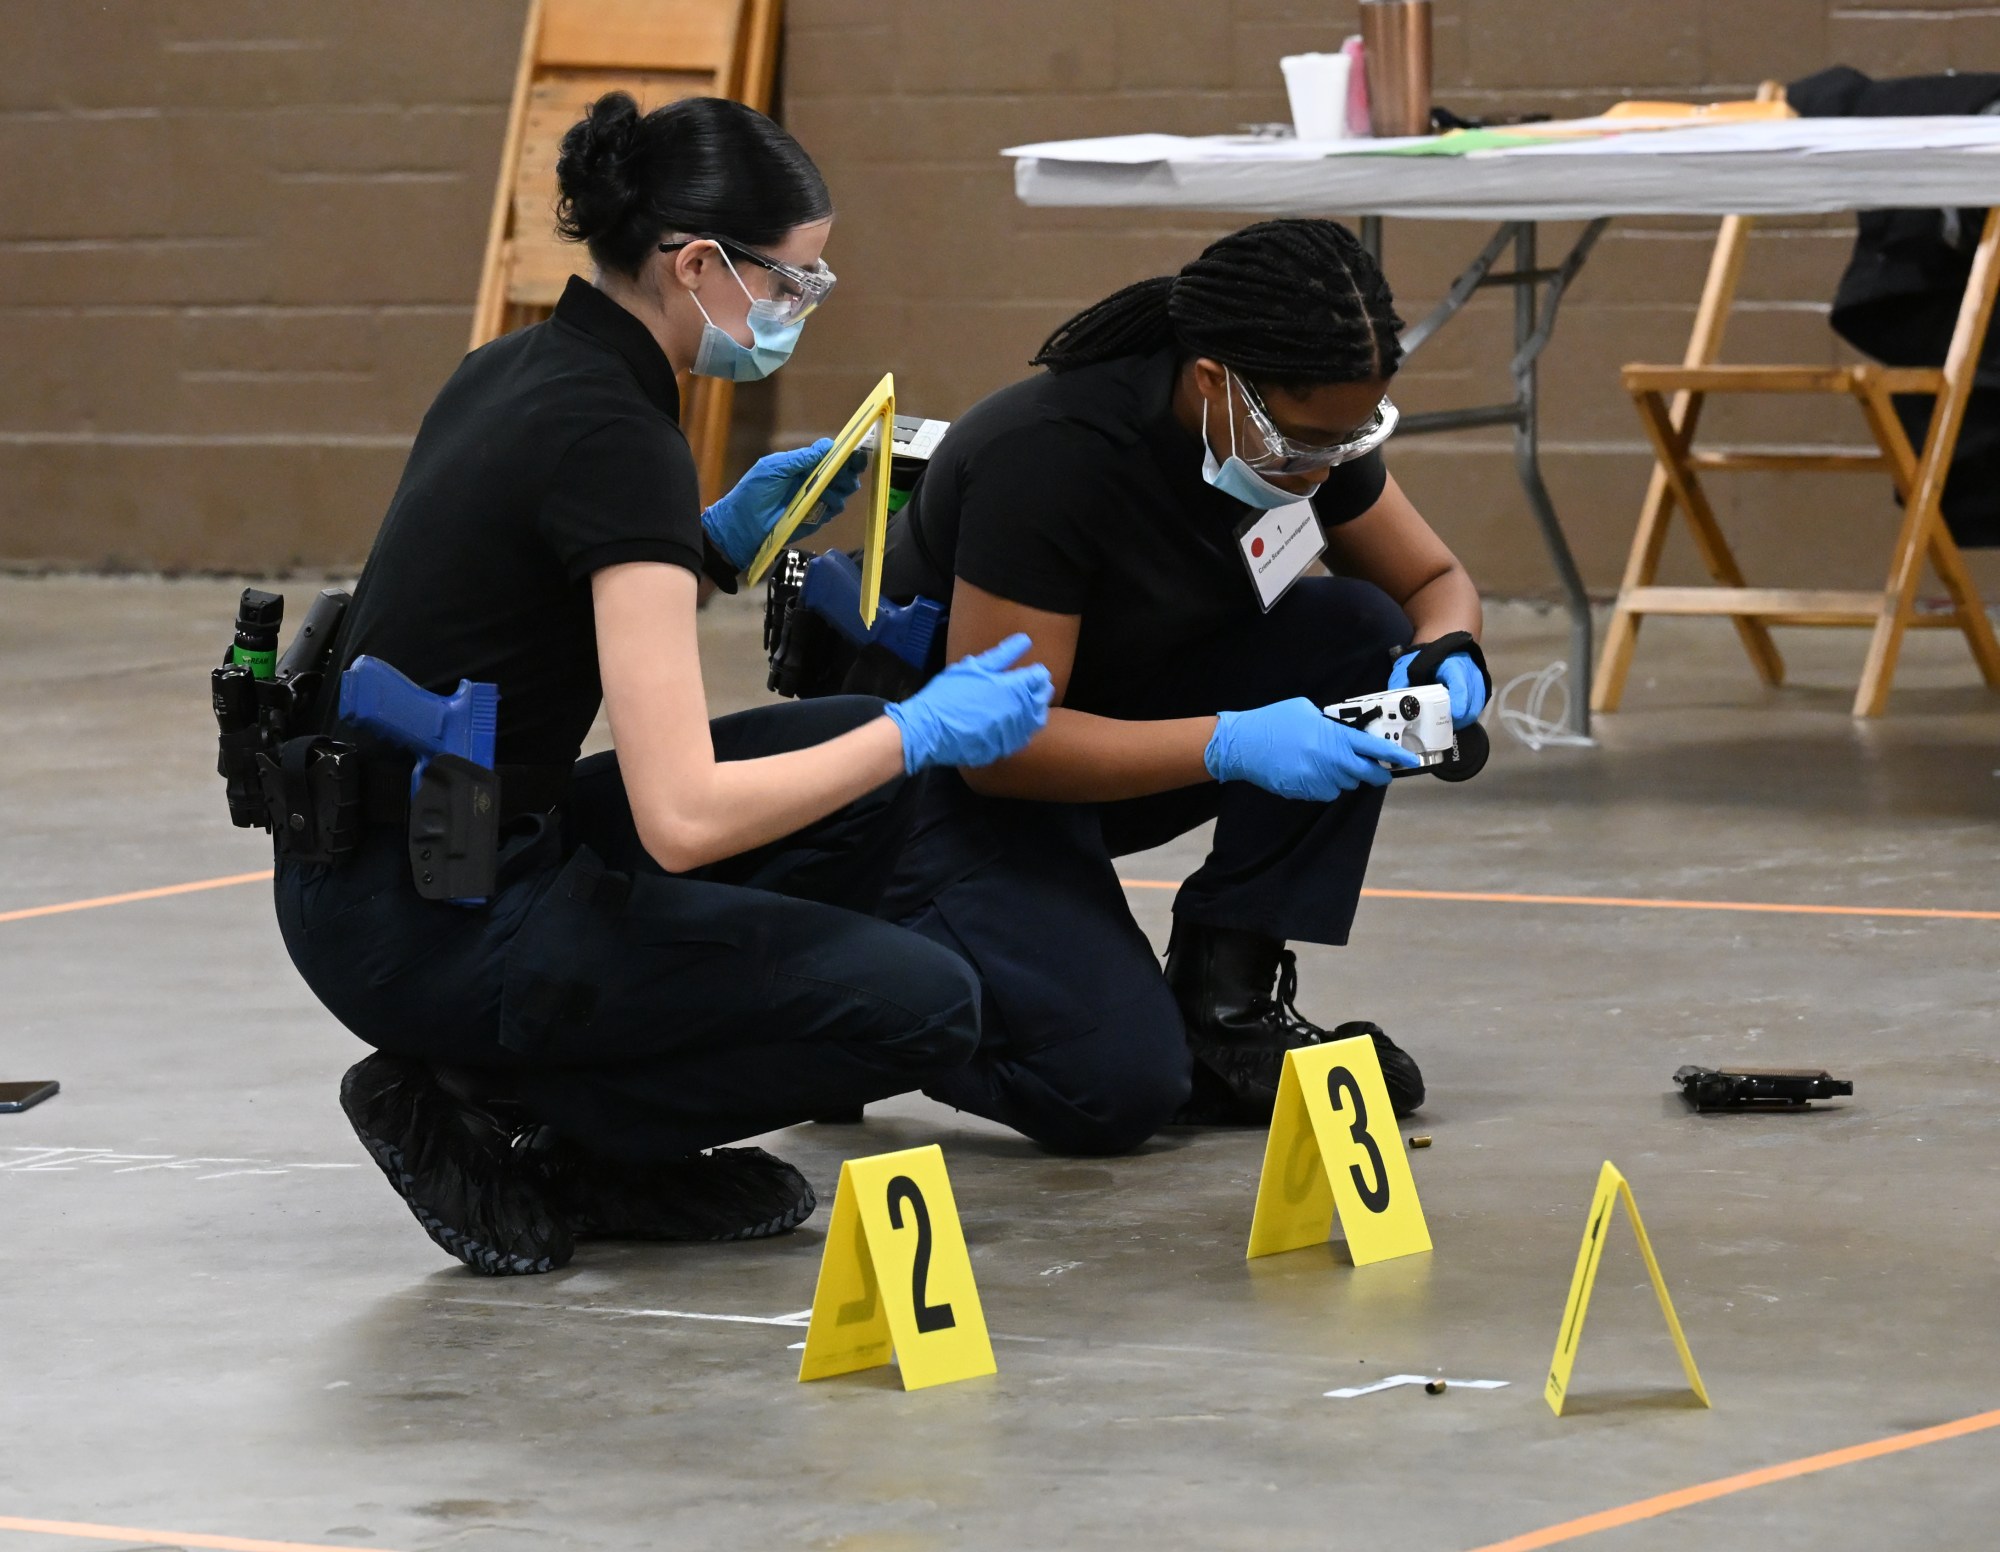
[1334, 1150]
[1611, 1185]
[895, 1276]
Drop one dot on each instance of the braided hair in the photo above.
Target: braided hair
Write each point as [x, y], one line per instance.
[1293, 303]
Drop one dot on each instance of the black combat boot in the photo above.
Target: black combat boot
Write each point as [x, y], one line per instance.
[459, 1166]
[1236, 992]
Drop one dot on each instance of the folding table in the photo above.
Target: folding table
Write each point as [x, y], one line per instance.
[1787, 167]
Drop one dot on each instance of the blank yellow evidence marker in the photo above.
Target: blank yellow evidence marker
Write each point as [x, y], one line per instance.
[895, 1276]
[1611, 1185]
[1324, 1157]
[877, 412]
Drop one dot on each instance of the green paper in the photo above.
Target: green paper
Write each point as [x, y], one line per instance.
[1462, 142]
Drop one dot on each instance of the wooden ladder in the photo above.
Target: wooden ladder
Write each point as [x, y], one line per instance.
[573, 52]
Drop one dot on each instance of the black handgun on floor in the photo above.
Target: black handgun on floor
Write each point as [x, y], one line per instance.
[1757, 1088]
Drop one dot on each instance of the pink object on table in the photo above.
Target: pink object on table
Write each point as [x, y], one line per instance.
[1357, 86]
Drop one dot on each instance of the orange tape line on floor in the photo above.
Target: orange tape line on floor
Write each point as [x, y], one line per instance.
[137, 894]
[1922, 913]
[1773, 907]
[171, 1538]
[1666, 1503]
[1549, 1536]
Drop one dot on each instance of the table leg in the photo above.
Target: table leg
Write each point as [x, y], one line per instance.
[1534, 320]
[1538, 294]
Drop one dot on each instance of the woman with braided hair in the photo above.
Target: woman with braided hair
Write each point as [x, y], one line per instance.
[1145, 509]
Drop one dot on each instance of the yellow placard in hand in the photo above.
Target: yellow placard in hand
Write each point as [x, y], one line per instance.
[1611, 1185]
[895, 1275]
[1334, 1150]
[877, 410]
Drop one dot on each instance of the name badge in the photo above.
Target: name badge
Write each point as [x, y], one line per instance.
[1277, 547]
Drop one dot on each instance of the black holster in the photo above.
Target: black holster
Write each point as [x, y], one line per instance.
[809, 658]
[455, 830]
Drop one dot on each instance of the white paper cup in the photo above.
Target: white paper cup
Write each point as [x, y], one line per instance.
[1317, 86]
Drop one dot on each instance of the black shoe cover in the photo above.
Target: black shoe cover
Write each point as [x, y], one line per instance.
[724, 1194]
[475, 1194]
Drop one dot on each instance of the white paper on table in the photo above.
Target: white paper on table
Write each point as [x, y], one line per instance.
[1805, 137]
[1139, 150]
[1634, 137]
[1243, 149]
[1980, 132]
[1121, 150]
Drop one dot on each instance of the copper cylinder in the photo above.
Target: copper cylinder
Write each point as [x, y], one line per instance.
[1396, 35]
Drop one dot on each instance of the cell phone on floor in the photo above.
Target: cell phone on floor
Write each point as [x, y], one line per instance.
[25, 1096]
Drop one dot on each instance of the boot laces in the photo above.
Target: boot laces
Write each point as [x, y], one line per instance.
[1283, 1002]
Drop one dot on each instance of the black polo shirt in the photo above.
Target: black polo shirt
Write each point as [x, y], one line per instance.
[551, 453]
[1081, 494]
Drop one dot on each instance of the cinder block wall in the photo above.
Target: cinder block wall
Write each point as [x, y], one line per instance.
[903, 105]
[239, 239]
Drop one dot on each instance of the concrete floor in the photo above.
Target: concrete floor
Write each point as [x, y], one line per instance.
[219, 1321]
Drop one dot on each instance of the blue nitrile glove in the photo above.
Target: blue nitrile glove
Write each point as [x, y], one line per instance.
[1458, 674]
[1297, 751]
[976, 711]
[738, 523]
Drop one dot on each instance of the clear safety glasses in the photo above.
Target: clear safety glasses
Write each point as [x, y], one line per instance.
[1293, 455]
[795, 292]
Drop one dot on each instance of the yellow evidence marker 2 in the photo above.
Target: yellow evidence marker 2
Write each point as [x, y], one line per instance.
[1334, 1149]
[1610, 1186]
[895, 1275]
[878, 410]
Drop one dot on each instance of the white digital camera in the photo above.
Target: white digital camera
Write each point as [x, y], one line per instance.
[1419, 719]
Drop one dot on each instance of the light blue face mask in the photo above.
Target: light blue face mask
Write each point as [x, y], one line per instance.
[1234, 477]
[720, 355]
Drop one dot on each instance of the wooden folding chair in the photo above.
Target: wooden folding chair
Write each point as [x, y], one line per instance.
[1919, 480]
[572, 52]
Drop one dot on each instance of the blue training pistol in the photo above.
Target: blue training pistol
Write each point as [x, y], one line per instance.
[454, 832]
[832, 590]
[376, 698]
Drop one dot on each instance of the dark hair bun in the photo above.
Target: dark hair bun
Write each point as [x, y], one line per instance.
[596, 169]
[703, 164]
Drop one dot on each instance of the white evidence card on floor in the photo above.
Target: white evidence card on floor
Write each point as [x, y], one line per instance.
[1396, 1381]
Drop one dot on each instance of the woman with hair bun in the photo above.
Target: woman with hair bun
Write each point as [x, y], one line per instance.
[1147, 510]
[679, 952]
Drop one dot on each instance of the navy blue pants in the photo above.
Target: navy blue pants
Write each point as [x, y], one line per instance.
[640, 1013]
[1083, 1047]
